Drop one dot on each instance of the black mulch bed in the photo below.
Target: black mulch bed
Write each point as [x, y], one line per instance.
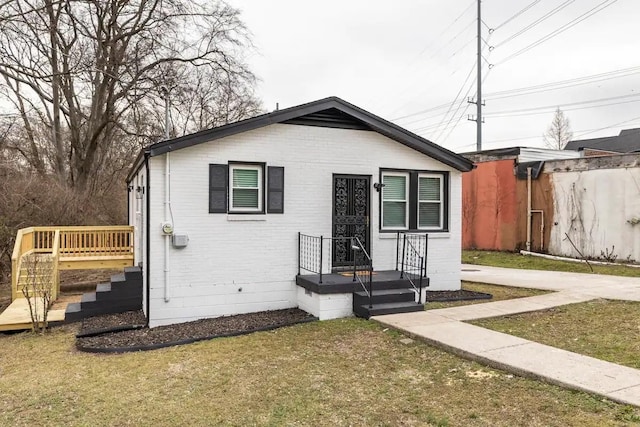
[112, 323]
[182, 333]
[461, 295]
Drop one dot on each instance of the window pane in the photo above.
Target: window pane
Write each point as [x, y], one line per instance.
[429, 189]
[429, 215]
[395, 187]
[394, 214]
[245, 198]
[245, 178]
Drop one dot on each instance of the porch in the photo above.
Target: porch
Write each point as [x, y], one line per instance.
[343, 268]
[41, 252]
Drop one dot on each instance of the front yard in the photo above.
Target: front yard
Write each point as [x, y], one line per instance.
[498, 293]
[528, 262]
[342, 372]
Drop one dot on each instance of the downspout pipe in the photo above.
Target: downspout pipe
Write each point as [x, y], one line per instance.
[148, 235]
[167, 196]
[528, 245]
[167, 216]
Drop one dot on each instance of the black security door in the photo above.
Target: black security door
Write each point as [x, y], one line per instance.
[350, 217]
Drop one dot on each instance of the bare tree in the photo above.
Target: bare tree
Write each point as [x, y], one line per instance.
[37, 288]
[208, 98]
[559, 132]
[82, 75]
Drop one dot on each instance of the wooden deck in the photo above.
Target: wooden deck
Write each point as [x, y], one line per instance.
[41, 252]
[16, 317]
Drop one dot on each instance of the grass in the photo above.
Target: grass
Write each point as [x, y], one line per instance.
[499, 293]
[527, 262]
[604, 329]
[333, 373]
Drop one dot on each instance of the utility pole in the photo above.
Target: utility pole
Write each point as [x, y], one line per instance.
[479, 84]
[478, 100]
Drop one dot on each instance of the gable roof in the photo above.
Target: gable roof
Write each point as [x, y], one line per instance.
[327, 112]
[628, 141]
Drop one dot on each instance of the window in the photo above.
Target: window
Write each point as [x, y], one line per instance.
[429, 201]
[414, 200]
[246, 188]
[394, 200]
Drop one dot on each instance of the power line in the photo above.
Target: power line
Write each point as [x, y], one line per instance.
[434, 41]
[464, 112]
[609, 127]
[564, 84]
[565, 109]
[613, 74]
[583, 132]
[546, 107]
[600, 7]
[536, 22]
[523, 10]
[457, 96]
[443, 32]
[450, 124]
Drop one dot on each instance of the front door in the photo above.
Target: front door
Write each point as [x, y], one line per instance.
[350, 218]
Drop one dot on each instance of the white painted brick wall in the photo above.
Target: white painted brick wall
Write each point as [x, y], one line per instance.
[229, 252]
[326, 307]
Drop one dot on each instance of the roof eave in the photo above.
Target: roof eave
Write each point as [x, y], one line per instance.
[376, 123]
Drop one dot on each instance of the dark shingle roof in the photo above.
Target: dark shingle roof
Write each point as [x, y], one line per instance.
[628, 141]
[331, 112]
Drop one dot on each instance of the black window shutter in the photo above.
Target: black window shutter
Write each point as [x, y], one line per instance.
[275, 189]
[413, 200]
[218, 187]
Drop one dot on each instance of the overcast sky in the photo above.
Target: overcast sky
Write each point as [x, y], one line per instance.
[399, 58]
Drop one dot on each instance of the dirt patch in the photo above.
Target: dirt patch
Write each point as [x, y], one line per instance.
[182, 332]
[460, 295]
[481, 374]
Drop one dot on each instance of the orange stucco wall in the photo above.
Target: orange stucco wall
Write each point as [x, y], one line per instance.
[489, 207]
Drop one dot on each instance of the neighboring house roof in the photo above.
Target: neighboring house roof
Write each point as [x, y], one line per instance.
[327, 112]
[520, 154]
[628, 141]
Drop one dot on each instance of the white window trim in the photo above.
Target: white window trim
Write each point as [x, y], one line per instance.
[441, 201]
[406, 201]
[259, 168]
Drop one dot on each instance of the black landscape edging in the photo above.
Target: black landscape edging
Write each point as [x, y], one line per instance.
[96, 332]
[477, 296]
[187, 341]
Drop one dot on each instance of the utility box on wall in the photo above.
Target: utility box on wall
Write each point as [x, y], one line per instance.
[180, 241]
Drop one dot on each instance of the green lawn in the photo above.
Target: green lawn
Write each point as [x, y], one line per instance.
[607, 330]
[499, 293]
[515, 260]
[334, 373]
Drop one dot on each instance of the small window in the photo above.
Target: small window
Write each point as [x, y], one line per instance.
[394, 200]
[414, 200]
[246, 188]
[430, 201]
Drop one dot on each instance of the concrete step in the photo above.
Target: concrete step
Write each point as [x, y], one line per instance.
[384, 296]
[387, 308]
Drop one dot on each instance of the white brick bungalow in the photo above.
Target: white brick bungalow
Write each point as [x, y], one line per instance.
[217, 214]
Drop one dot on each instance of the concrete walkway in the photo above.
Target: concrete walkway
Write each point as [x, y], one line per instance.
[445, 328]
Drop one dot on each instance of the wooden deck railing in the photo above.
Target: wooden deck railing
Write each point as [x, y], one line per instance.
[73, 247]
[55, 259]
